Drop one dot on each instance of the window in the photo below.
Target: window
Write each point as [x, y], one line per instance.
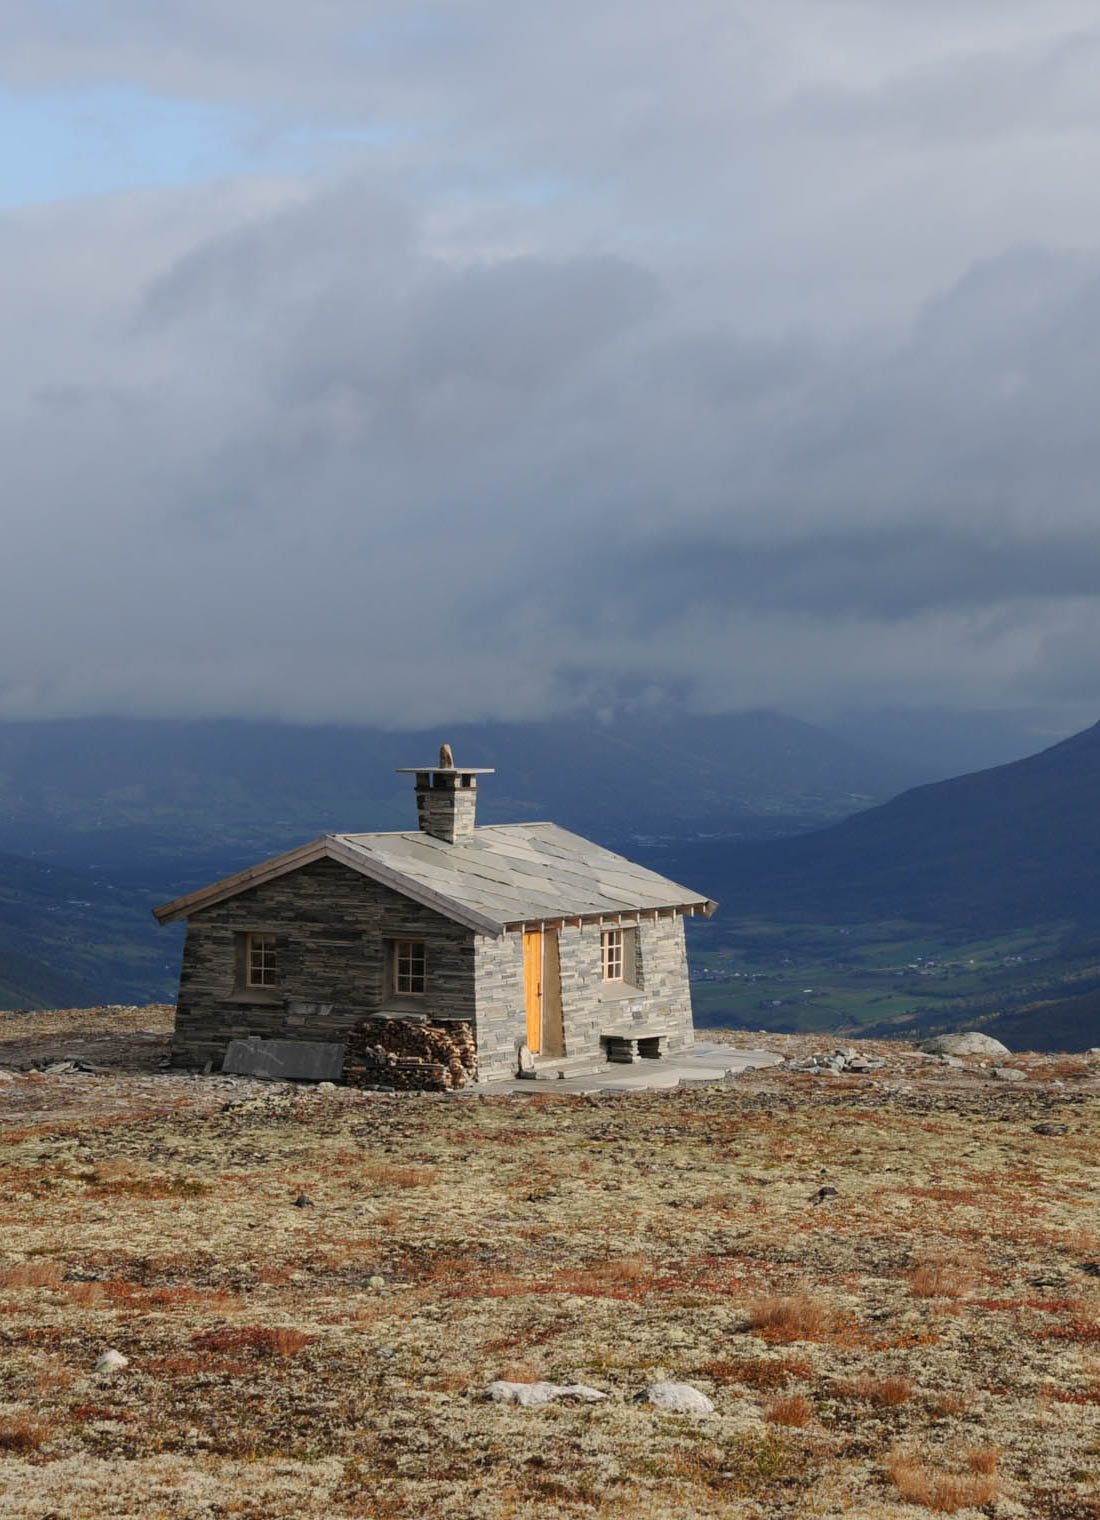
[611, 943]
[261, 961]
[408, 966]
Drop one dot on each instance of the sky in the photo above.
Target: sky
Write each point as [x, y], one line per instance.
[395, 363]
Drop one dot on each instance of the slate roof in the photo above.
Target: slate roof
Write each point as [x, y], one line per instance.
[504, 874]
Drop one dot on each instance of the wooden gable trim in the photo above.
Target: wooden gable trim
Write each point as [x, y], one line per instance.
[328, 847]
[231, 886]
[630, 916]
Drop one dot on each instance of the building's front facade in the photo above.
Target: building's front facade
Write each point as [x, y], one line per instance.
[531, 936]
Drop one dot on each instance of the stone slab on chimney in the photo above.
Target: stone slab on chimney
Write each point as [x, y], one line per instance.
[446, 797]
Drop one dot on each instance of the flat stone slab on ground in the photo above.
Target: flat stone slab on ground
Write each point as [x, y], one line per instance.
[703, 1063]
[534, 1395]
[301, 1060]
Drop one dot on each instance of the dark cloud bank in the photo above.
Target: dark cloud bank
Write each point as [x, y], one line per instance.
[371, 446]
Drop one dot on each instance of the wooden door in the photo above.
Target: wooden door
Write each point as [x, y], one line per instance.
[532, 985]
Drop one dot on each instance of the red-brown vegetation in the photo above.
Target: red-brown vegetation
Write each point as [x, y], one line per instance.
[945, 1493]
[255, 1340]
[791, 1409]
[22, 1433]
[781, 1320]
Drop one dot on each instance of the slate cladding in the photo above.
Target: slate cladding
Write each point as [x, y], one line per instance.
[331, 914]
[333, 931]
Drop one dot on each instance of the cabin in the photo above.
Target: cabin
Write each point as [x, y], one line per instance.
[550, 953]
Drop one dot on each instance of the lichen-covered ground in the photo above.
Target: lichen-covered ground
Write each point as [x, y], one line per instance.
[925, 1338]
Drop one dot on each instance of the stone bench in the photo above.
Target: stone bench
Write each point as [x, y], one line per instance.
[632, 1047]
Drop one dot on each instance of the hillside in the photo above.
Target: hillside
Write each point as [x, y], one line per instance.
[119, 815]
[1015, 845]
[68, 934]
[124, 793]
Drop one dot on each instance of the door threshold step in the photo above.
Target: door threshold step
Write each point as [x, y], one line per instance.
[552, 1070]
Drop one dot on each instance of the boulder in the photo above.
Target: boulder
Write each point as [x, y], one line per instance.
[1009, 1074]
[112, 1361]
[679, 1398]
[534, 1395]
[968, 1043]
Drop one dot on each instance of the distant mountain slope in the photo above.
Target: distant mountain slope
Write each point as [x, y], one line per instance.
[69, 938]
[122, 793]
[1019, 844]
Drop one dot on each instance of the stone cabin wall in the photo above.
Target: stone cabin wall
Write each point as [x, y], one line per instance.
[657, 997]
[332, 927]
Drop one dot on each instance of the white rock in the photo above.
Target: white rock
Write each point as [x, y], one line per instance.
[969, 1042]
[534, 1395]
[112, 1361]
[681, 1398]
[1008, 1074]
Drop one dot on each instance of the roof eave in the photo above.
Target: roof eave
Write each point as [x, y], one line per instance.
[328, 847]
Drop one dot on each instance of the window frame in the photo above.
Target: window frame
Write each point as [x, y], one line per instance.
[261, 960]
[613, 955]
[405, 956]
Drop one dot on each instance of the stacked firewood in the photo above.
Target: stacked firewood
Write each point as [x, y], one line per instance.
[421, 1056]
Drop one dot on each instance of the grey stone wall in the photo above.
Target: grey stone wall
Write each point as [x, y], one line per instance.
[658, 1001]
[332, 927]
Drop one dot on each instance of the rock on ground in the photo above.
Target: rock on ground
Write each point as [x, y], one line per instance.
[681, 1398]
[969, 1042]
[533, 1395]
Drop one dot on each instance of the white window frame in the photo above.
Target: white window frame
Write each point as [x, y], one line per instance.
[410, 967]
[261, 960]
[613, 954]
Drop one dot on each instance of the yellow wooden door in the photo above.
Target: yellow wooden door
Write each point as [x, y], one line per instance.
[532, 984]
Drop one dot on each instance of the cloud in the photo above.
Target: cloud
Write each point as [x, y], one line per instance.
[745, 355]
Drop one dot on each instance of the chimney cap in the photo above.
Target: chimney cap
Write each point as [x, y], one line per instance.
[446, 770]
[445, 766]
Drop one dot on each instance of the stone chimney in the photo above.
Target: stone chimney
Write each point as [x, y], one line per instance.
[446, 797]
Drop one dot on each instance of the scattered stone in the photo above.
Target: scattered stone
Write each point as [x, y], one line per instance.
[823, 1193]
[678, 1398]
[837, 1061]
[302, 1202]
[534, 1395]
[1008, 1074]
[112, 1361]
[376, 1283]
[6, 1076]
[969, 1042]
[1050, 1129]
[385, 1351]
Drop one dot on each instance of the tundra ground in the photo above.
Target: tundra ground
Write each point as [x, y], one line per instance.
[888, 1286]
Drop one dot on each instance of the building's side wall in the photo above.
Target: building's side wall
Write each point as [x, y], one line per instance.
[501, 1005]
[332, 927]
[658, 1000]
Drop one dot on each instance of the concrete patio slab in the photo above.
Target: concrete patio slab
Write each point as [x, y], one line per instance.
[706, 1063]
